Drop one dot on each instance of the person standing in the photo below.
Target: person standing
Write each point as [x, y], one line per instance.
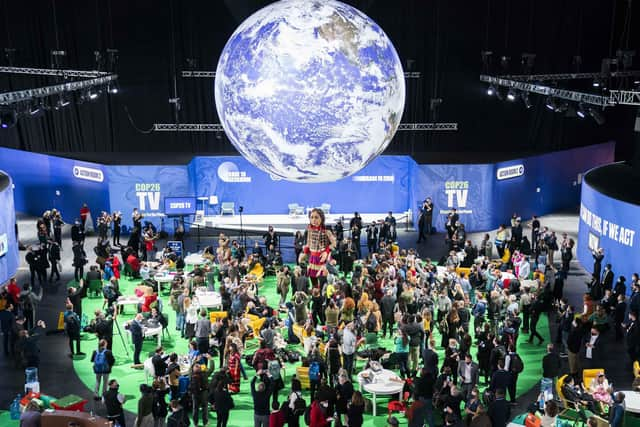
[633, 336]
[468, 374]
[202, 331]
[224, 404]
[54, 259]
[57, 227]
[535, 311]
[261, 397]
[135, 327]
[349, 343]
[499, 410]
[598, 256]
[72, 328]
[84, 215]
[116, 219]
[551, 365]
[319, 414]
[113, 400]
[103, 362]
[199, 388]
[514, 365]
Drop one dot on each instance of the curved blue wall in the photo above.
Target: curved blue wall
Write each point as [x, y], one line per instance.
[9, 256]
[612, 225]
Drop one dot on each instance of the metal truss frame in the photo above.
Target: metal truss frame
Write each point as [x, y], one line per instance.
[569, 76]
[586, 98]
[625, 97]
[217, 127]
[41, 92]
[52, 72]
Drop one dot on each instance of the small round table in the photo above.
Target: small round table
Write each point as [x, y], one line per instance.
[384, 383]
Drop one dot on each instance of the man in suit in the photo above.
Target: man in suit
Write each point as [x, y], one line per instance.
[593, 349]
[573, 393]
[633, 336]
[468, 374]
[500, 379]
[598, 256]
[551, 364]
[430, 358]
[499, 410]
[607, 277]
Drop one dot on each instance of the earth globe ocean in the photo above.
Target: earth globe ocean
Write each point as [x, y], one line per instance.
[309, 90]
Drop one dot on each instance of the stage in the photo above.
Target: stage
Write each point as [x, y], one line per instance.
[290, 223]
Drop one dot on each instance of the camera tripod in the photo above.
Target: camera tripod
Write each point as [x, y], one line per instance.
[115, 321]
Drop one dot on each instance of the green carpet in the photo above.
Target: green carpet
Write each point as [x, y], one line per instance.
[130, 379]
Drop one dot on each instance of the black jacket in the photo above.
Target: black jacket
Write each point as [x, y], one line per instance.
[500, 379]
[551, 365]
[224, 401]
[261, 399]
[499, 412]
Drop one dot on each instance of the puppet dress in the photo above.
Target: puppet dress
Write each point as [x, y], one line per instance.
[319, 241]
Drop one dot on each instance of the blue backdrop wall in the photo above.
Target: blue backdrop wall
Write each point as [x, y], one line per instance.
[393, 183]
[612, 225]
[9, 258]
[43, 182]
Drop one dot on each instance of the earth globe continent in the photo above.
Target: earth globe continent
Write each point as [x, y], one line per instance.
[309, 90]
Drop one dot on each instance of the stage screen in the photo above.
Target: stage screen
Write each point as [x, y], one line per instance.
[9, 255]
[174, 206]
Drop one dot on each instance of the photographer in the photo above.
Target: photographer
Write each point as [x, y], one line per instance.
[102, 325]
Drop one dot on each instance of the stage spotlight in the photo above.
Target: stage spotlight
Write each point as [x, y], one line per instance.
[580, 112]
[512, 95]
[491, 90]
[526, 100]
[8, 118]
[562, 107]
[62, 102]
[550, 103]
[36, 109]
[113, 88]
[596, 82]
[92, 94]
[597, 116]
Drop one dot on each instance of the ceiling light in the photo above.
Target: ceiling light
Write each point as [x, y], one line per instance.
[512, 95]
[491, 90]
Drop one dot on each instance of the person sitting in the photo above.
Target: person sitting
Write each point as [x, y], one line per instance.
[573, 393]
[601, 391]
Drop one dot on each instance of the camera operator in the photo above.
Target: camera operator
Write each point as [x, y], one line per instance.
[103, 325]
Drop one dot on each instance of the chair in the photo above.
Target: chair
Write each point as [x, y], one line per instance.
[227, 207]
[95, 287]
[588, 375]
[302, 373]
[258, 271]
[636, 369]
[215, 315]
[399, 405]
[370, 340]
[326, 208]
[571, 409]
[295, 209]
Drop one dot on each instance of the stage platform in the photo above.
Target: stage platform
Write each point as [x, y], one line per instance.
[289, 223]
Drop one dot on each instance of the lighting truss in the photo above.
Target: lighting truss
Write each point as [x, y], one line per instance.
[53, 72]
[41, 92]
[570, 95]
[217, 127]
[569, 76]
[624, 97]
[212, 74]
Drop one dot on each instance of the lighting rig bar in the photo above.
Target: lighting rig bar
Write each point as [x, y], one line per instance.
[624, 97]
[212, 74]
[569, 76]
[586, 98]
[217, 127]
[53, 72]
[41, 92]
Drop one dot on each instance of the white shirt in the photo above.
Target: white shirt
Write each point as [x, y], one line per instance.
[467, 373]
[589, 352]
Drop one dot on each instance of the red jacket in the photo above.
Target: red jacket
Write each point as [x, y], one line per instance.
[318, 418]
[133, 262]
[277, 419]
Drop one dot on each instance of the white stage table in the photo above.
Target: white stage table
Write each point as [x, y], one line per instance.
[129, 300]
[209, 299]
[194, 259]
[151, 332]
[383, 384]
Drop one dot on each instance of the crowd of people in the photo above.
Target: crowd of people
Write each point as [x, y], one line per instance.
[483, 301]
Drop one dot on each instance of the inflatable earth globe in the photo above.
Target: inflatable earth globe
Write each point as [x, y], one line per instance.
[309, 90]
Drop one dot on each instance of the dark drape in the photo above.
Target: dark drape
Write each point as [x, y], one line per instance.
[440, 38]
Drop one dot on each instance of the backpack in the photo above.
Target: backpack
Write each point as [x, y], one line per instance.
[307, 415]
[314, 371]
[26, 303]
[274, 369]
[100, 365]
[371, 323]
[108, 292]
[299, 406]
[516, 366]
[73, 323]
